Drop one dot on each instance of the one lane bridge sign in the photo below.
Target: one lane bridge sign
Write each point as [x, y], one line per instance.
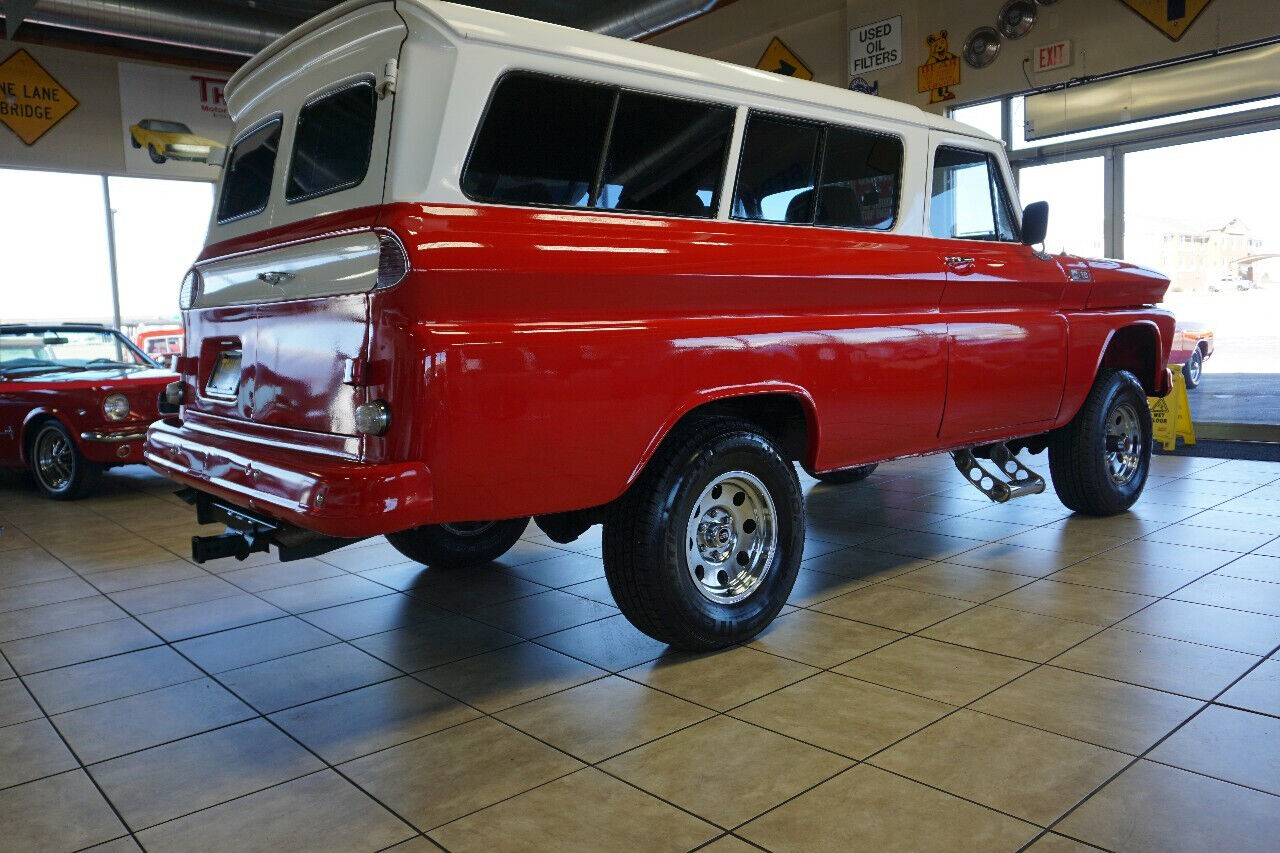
[31, 101]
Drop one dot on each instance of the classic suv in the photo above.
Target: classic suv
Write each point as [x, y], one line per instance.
[74, 399]
[592, 281]
[170, 140]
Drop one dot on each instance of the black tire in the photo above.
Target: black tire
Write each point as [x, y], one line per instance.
[1193, 370]
[133, 140]
[156, 157]
[845, 476]
[649, 536]
[61, 472]
[459, 546]
[1079, 452]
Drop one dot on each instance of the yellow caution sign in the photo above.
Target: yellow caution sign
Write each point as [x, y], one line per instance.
[31, 101]
[1171, 416]
[780, 59]
[1171, 17]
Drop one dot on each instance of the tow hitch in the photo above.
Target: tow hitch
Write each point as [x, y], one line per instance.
[249, 533]
[1015, 480]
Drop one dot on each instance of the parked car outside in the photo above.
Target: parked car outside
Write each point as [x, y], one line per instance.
[159, 344]
[1192, 345]
[74, 399]
[597, 282]
[170, 140]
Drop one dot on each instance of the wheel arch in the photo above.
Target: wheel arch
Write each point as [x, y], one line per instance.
[35, 419]
[785, 412]
[1136, 348]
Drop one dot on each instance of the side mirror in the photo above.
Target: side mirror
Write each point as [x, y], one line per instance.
[1035, 223]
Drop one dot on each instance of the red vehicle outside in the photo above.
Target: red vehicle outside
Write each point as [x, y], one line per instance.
[160, 344]
[1192, 346]
[642, 315]
[74, 399]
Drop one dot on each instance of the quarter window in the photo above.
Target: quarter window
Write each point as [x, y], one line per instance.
[969, 201]
[247, 182]
[665, 156]
[332, 142]
[540, 143]
[776, 176]
[859, 184]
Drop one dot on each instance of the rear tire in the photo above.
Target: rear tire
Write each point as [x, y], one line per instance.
[703, 549]
[845, 476]
[459, 546]
[1193, 370]
[60, 470]
[1099, 461]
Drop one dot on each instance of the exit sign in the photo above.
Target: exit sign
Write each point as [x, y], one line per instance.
[1052, 56]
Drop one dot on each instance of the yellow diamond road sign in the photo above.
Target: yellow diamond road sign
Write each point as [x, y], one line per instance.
[779, 59]
[1171, 17]
[31, 101]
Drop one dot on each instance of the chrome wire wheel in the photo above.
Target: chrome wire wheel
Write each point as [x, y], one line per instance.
[731, 539]
[1124, 444]
[55, 459]
[468, 528]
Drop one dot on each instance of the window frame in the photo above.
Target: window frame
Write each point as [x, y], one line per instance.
[597, 178]
[362, 80]
[820, 156]
[996, 177]
[274, 118]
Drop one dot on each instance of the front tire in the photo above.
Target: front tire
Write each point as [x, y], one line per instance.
[61, 472]
[459, 546]
[156, 156]
[1099, 461]
[845, 476]
[703, 549]
[1193, 370]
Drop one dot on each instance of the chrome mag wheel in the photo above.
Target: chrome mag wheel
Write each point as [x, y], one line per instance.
[731, 538]
[1124, 444]
[1195, 366]
[55, 459]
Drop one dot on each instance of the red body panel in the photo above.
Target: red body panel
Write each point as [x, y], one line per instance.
[75, 399]
[534, 359]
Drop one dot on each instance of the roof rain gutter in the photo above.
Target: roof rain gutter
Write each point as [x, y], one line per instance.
[241, 31]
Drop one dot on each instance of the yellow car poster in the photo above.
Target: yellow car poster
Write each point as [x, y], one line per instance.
[175, 121]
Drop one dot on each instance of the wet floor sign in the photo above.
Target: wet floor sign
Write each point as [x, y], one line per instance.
[1171, 416]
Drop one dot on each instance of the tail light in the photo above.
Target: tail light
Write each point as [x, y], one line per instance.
[393, 263]
[189, 290]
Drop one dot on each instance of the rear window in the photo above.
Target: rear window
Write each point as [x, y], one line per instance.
[246, 185]
[332, 142]
[566, 143]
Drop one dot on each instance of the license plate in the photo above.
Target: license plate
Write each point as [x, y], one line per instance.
[224, 381]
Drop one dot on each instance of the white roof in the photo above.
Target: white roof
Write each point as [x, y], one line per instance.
[468, 24]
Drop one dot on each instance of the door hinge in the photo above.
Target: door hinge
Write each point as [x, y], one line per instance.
[388, 84]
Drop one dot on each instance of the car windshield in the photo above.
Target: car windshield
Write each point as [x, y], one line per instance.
[170, 127]
[46, 350]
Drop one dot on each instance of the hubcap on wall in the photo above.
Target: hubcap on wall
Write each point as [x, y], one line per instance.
[55, 460]
[1124, 444]
[731, 538]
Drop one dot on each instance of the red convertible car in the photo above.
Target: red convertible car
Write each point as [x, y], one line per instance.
[74, 399]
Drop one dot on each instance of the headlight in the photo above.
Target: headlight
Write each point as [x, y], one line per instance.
[116, 407]
[373, 418]
[190, 290]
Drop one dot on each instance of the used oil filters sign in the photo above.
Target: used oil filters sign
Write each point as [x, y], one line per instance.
[31, 101]
[875, 46]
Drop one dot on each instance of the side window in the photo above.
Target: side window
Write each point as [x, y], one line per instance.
[969, 200]
[665, 156]
[332, 142]
[776, 173]
[540, 142]
[246, 184]
[860, 175]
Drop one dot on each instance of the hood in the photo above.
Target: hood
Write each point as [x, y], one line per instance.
[1120, 284]
[98, 379]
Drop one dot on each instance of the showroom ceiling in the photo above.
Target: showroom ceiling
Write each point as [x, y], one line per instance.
[237, 28]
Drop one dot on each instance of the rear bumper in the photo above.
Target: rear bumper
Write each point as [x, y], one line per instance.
[335, 497]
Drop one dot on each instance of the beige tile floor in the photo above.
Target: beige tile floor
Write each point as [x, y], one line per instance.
[949, 674]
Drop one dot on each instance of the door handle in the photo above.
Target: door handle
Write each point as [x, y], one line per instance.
[957, 261]
[275, 279]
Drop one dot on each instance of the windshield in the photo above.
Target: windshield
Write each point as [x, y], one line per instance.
[36, 350]
[169, 127]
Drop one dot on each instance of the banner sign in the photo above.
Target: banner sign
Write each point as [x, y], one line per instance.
[174, 120]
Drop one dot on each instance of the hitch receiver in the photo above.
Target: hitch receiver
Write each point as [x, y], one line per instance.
[251, 533]
[1015, 480]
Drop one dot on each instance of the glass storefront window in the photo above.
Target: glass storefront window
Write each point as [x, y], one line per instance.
[1076, 196]
[985, 117]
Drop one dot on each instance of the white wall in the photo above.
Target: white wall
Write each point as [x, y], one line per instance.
[1107, 36]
